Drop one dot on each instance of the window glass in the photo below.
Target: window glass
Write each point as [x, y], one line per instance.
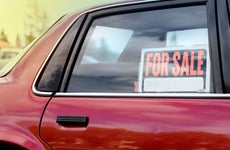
[102, 47]
[51, 75]
[153, 51]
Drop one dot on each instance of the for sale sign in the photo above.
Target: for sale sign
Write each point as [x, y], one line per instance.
[176, 69]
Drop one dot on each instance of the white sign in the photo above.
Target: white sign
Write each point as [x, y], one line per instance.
[175, 69]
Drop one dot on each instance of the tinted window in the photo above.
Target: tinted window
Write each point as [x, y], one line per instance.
[152, 51]
[51, 76]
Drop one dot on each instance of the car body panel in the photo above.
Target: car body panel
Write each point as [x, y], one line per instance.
[139, 123]
[18, 135]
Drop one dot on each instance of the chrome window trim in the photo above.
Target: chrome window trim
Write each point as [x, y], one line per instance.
[36, 91]
[152, 95]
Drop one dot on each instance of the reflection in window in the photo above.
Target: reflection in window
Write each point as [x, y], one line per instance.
[188, 37]
[106, 44]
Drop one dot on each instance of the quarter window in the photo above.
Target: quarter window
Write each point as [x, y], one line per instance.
[151, 51]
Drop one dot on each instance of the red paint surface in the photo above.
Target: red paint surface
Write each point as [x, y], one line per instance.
[140, 123]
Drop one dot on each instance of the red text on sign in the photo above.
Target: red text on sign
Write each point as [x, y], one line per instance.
[186, 63]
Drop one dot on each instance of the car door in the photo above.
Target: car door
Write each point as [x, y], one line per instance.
[143, 75]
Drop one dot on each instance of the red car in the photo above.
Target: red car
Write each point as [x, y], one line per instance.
[150, 75]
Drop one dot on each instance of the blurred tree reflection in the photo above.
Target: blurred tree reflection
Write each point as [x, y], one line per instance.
[36, 21]
[3, 36]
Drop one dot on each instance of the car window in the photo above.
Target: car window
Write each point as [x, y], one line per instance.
[150, 51]
[52, 73]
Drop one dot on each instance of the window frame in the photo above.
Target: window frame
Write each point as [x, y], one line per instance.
[223, 19]
[144, 7]
[76, 24]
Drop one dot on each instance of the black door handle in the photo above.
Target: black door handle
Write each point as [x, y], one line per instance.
[72, 121]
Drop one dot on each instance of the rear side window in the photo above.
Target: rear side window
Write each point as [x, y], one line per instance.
[152, 51]
[52, 73]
